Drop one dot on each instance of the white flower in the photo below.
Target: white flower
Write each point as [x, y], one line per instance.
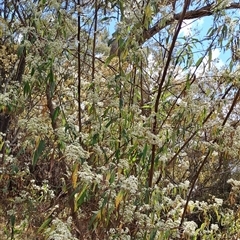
[75, 152]
[233, 182]
[112, 230]
[130, 184]
[86, 174]
[100, 104]
[185, 184]
[163, 158]
[214, 154]
[219, 201]
[189, 227]
[59, 231]
[214, 227]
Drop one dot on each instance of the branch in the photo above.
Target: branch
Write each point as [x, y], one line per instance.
[156, 105]
[206, 158]
[201, 12]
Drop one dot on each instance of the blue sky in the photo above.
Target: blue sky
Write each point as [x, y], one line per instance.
[202, 25]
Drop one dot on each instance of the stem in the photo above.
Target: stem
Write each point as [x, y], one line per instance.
[206, 157]
[79, 74]
[156, 106]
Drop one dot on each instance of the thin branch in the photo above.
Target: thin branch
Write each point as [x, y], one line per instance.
[202, 12]
[156, 106]
[192, 187]
[192, 136]
[94, 41]
[79, 73]
[206, 157]
[235, 100]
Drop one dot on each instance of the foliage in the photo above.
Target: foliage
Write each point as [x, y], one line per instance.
[114, 124]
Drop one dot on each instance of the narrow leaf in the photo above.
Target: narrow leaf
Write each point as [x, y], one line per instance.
[209, 58]
[95, 138]
[119, 198]
[38, 152]
[199, 61]
[44, 225]
[75, 175]
[55, 114]
[81, 196]
[26, 89]
[20, 50]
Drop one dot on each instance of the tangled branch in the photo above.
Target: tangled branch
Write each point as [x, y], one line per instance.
[207, 10]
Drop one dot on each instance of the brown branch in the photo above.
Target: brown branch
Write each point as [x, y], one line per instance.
[21, 67]
[192, 136]
[79, 71]
[198, 13]
[192, 187]
[235, 100]
[156, 105]
[94, 41]
[206, 157]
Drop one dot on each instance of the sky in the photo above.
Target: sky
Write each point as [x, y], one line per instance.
[204, 24]
[189, 29]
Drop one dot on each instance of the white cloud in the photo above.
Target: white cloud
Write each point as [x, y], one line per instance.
[216, 61]
[186, 29]
[189, 25]
[215, 53]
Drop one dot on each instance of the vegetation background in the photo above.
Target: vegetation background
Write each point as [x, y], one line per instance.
[114, 124]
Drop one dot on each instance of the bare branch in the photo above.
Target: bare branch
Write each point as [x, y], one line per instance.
[201, 12]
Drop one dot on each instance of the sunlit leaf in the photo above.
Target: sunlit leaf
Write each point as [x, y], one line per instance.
[75, 175]
[119, 198]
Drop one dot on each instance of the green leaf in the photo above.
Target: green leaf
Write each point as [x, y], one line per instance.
[209, 58]
[38, 152]
[32, 72]
[81, 196]
[110, 122]
[224, 31]
[117, 154]
[211, 31]
[108, 60]
[121, 103]
[95, 138]
[51, 76]
[153, 234]
[121, 6]
[144, 153]
[26, 89]
[20, 50]
[12, 220]
[106, 18]
[199, 61]
[148, 15]
[112, 178]
[146, 107]
[55, 114]
[44, 225]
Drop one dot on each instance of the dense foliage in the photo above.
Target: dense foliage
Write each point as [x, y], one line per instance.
[118, 121]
